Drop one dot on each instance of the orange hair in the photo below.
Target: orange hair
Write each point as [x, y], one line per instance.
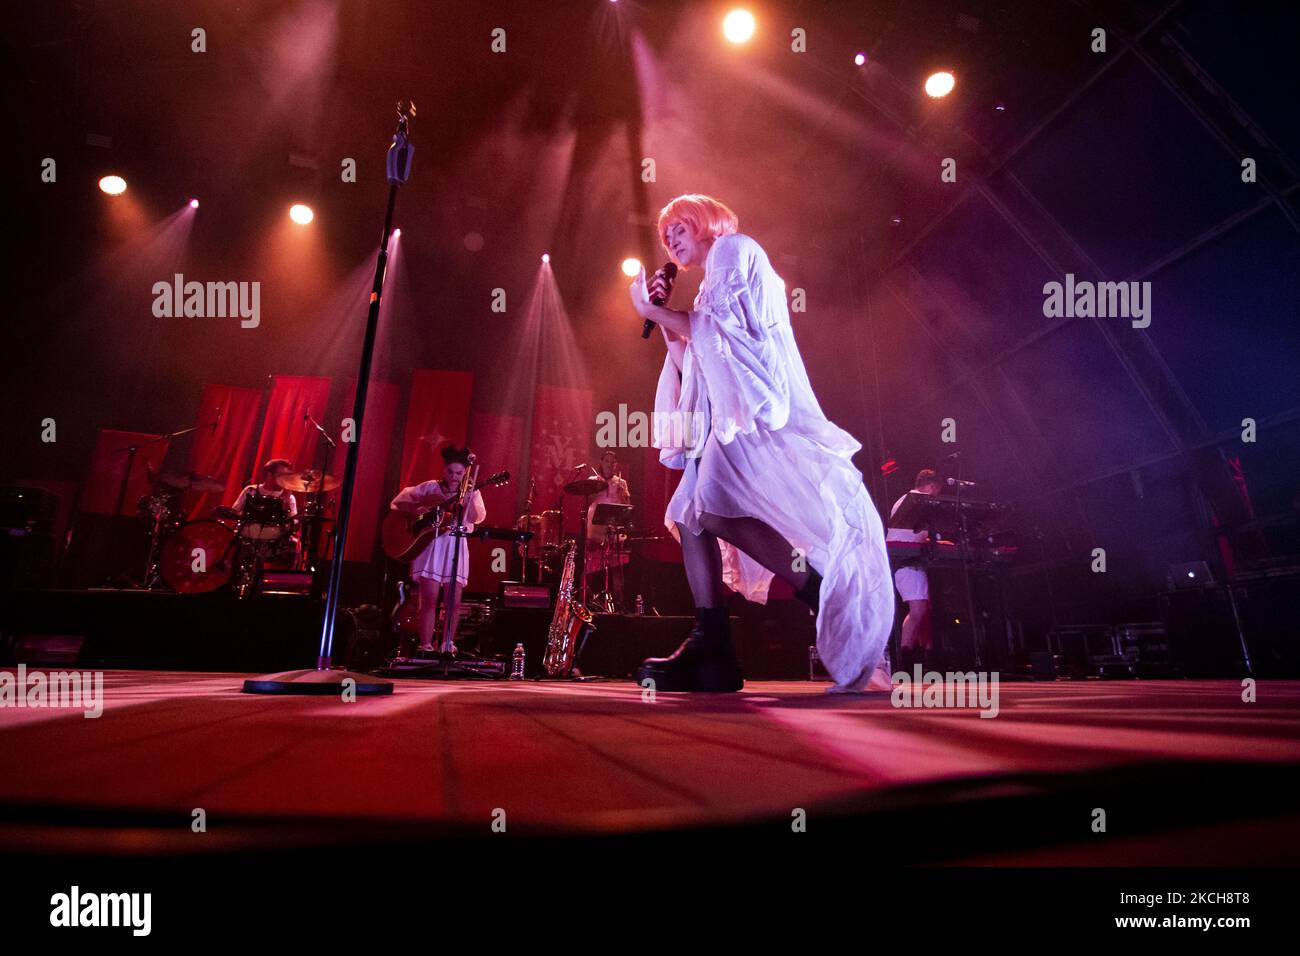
[706, 217]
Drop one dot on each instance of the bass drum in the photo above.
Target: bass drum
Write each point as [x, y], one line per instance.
[199, 557]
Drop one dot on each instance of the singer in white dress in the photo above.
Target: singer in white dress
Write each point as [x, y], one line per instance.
[765, 474]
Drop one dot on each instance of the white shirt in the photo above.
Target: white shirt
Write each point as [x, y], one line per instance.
[290, 502]
[416, 494]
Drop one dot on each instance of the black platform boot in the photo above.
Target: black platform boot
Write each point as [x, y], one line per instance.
[706, 660]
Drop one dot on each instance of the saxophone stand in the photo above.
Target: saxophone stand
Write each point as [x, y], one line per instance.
[323, 679]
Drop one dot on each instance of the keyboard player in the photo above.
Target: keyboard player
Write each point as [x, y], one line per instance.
[913, 584]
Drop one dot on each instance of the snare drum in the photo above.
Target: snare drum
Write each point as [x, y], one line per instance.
[265, 518]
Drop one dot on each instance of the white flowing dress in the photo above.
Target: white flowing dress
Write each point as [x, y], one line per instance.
[765, 450]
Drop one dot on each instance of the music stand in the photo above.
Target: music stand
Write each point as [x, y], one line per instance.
[610, 515]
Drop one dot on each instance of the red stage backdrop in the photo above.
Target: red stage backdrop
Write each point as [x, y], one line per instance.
[563, 437]
[371, 496]
[498, 440]
[223, 452]
[438, 413]
[658, 486]
[284, 433]
[108, 465]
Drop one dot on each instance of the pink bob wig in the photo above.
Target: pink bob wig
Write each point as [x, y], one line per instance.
[704, 216]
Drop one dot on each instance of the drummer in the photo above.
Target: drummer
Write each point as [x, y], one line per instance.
[272, 472]
[616, 492]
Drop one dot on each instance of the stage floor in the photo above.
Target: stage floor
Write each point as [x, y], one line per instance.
[442, 758]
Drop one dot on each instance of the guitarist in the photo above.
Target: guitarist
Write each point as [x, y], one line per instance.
[431, 568]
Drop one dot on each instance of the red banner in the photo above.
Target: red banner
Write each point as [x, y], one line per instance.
[563, 437]
[371, 495]
[224, 451]
[286, 433]
[108, 466]
[658, 485]
[498, 440]
[438, 413]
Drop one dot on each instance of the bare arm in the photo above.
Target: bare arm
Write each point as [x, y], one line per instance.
[676, 347]
[412, 501]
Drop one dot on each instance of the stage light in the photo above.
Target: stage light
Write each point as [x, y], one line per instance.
[860, 59]
[301, 214]
[738, 26]
[113, 185]
[194, 204]
[546, 257]
[631, 266]
[939, 84]
[397, 233]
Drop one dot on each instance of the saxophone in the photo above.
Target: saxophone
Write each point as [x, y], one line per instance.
[570, 625]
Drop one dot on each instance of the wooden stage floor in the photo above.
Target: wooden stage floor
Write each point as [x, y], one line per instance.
[442, 759]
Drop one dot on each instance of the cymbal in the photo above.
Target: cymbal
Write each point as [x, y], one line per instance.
[184, 481]
[310, 481]
[583, 480]
[229, 514]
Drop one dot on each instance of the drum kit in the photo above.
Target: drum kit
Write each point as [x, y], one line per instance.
[543, 554]
[231, 548]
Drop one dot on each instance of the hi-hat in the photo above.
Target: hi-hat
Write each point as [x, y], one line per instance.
[183, 481]
[583, 480]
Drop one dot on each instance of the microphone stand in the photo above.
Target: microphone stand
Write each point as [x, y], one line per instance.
[322, 679]
[313, 513]
[126, 480]
[965, 552]
[451, 606]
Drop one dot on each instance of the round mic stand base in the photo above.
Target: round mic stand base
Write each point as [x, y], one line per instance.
[321, 683]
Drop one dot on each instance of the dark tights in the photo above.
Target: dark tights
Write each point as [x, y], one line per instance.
[757, 539]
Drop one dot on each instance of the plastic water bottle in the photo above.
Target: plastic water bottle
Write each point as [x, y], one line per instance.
[517, 663]
[640, 604]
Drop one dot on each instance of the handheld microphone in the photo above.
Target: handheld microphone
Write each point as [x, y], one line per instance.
[670, 273]
[960, 483]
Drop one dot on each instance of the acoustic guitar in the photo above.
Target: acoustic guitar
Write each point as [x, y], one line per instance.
[405, 535]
